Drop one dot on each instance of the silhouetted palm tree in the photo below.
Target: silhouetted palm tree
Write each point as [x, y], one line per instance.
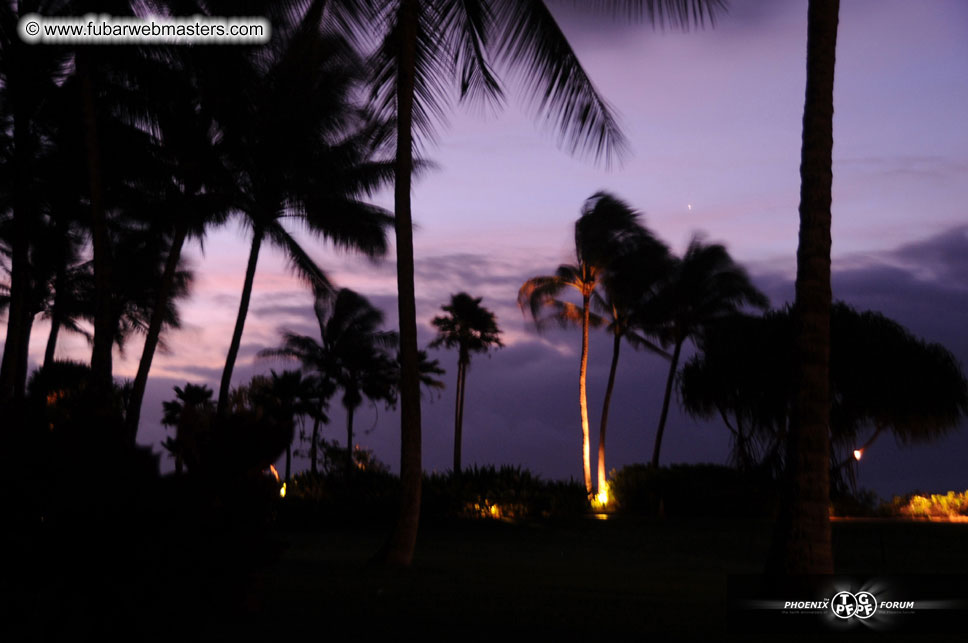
[632, 280]
[287, 396]
[352, 353]
[704, 287]
[28, 87]
[605, 227]
[191, 407]
[801, 541]
[470, 328]
[297, 151]
[195, 195]
[427, 45]
[429, 370]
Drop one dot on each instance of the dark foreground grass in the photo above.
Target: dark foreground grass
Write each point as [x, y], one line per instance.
[552, 580]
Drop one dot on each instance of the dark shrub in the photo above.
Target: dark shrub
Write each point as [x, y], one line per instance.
[692, 490]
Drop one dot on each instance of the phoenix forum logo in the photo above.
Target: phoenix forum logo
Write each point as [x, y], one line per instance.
[860, 605]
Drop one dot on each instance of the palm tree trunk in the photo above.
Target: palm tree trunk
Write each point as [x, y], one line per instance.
[312, 446]
[349, 441]
[801, 540]
[101, 359]
[583, 397]
[51, 348]
[617, 343]
[24, 355]
[288, 461]
[459, 436]
[223, 391]
[133, 416]
[673, 365]
[458, 408]
[403, 540]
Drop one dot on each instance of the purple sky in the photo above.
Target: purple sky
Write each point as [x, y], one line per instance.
[714, 122]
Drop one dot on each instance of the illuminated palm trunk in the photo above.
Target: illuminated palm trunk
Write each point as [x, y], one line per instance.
[583, 396]
[608, 398]
[801, 542]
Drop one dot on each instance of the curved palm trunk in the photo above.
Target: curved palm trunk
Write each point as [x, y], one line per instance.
[801, 540]
[51, 348]
[583, 397]
[458, 414]
[133, 416]
[223, 390]
[403, 540]
[24, 355]
[617, 342]
[459, 434]
[673, 365]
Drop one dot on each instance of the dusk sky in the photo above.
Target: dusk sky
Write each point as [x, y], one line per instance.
[714, 122]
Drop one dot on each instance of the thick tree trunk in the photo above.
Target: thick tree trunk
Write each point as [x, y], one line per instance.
[617, 343]
[403, 540]
[673, 365]
[801, 542]
[133, 416]
[288, 462]
[458, 414]
[101, 359]
[583, 397]
[226, 383]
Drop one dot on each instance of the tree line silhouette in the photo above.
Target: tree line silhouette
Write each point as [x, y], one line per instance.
[119, 157]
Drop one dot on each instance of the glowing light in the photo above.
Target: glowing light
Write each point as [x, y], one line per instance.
[275, 474]
[858, 453]
[600, 500]
[282, 490]
[689, 206]
[495, 511]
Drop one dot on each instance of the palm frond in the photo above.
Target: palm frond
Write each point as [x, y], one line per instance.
[677, 14]
[561, 91]
[469, 26]
[299, 261]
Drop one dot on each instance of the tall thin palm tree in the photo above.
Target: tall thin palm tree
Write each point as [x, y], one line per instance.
[297, 149]
[605, 227]
[704, 287]
[470, 328]
[426, 45]
[29, 86]
[801, 539]
[632, 280]
[196, 195]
